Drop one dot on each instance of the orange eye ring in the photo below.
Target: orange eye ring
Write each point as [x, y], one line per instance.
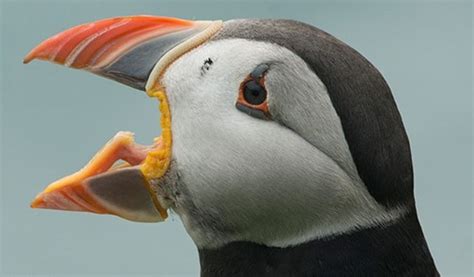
[253, 96]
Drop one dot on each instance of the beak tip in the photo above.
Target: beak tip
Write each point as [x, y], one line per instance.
[33, 54]
[37, 203]
[29, 57]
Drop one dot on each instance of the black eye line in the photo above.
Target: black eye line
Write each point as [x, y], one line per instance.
[252, 112]
[259, 71]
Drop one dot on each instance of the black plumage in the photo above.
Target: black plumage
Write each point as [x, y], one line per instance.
[380, 148]
[366, 252]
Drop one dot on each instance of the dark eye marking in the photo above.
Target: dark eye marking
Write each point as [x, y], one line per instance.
[259, 71]
[206, 66]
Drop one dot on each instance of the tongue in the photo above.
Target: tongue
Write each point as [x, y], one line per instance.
[105, 187]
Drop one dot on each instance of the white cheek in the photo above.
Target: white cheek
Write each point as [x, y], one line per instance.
[263, 180]
[259, 177]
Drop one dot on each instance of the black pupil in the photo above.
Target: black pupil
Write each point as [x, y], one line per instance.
[254, 93]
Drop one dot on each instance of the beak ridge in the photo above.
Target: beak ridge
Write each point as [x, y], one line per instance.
[124, 49]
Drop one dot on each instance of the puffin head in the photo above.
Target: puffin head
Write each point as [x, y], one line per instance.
[273, 131]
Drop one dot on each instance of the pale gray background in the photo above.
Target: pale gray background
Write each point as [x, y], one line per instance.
[53, 120]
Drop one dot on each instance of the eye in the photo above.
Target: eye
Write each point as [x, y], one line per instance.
[253, 94]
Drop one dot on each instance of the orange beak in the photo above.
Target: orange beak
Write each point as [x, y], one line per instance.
[105, 187]
[125, 49]
[133, 50]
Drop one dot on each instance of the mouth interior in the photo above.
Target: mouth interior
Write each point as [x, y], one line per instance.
[158, 159]
[121, 153]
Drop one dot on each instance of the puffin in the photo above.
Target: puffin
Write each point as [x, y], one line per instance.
[281, 150]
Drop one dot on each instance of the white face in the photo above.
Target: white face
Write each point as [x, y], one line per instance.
[277, 182]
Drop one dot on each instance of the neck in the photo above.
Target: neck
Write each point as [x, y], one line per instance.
[398, 249]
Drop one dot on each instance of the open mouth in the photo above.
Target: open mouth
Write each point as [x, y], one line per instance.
[119, 158]
[121, 178]
[118, 179]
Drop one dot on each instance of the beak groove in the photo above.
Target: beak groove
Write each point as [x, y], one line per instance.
[124, 49]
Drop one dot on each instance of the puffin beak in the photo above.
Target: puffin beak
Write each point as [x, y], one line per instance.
[106, 186]
[122, 178]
